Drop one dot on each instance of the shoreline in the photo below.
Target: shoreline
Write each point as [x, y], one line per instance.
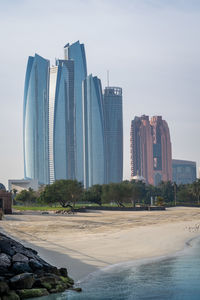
[86, 243]
[142, 261]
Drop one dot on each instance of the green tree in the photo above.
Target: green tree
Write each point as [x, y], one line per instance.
[184, 194]
[26, 197]
[64, 192]
[151, 191]
[93, 194]
[166, 189]
[115, 192]
[137, 191]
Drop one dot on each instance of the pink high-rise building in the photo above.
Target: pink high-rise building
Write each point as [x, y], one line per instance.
[142, 148]
[151, 149]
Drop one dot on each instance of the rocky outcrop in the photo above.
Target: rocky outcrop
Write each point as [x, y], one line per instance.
[23, 274]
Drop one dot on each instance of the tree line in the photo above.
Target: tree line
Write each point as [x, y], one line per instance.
[68, 193]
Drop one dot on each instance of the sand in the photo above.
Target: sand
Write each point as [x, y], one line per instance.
[86, 242]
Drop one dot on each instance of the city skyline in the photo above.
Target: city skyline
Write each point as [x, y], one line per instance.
[159, 72]
[69, 125]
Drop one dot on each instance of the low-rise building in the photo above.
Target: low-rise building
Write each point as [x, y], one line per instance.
[183, 171]
[22, 184]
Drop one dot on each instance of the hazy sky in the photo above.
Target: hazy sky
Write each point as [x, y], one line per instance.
[150, 47]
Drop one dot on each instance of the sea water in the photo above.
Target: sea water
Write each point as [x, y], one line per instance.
[172, 278]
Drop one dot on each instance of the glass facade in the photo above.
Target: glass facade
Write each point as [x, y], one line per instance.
[35, 120]
[113, 134]
[76, 52]
[61, 121]
[93, 132]
[183, 171]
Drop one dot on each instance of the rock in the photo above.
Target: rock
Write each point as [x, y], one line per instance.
[31, 250]
[23, 274]
[49, 281]
[18, 257]
[5, 246]
[22, 281]
[59, 288]
[3, 270]
[2, 278]
[35, 265]
[31, 293]
[11, 296]
[78, 290]
[19, 267]
[63, 272]
[5, 260]
[67, 281]
[27, 253]
[70, 280]
[4, 288]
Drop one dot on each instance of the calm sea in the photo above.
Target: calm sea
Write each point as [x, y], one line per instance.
[174, 278]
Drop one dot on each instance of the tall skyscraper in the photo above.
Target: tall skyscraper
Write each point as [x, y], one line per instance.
[142, 148]
[162, 152]
[151, 149]
[62, 121]
[76, 52]
[93, 132]
[35, 120]
[113, 134]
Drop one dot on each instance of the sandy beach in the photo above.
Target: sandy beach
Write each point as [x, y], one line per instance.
[86, 242]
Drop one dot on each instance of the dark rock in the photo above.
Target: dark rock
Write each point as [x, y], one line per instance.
[3, 271]
[78, 289]
[31, 293]
[11, 296]
[51, 269]
[48, 281]
[18, 257]
[5, 246]
[67, 281]
[35, 265]
[27, 253]
[59, 288]
[31, 250]
[5, 260]
[22, 281]
[2, 278]
[17, 264]
[63, 272]
[19, 267]
[4, 288]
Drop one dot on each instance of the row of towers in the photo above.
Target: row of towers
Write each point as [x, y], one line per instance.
[71, 129]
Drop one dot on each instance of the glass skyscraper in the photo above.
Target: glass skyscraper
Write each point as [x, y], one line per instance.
[113, 134]
[35, 120]
[61, 121]
[93, 132]
[76, 52]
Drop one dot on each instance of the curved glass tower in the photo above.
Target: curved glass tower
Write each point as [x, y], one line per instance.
[93, 132]
[35, 120]
[61, 121]
[76, 52]
[113, 134]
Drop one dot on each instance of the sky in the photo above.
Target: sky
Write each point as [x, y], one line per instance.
[150, 47]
